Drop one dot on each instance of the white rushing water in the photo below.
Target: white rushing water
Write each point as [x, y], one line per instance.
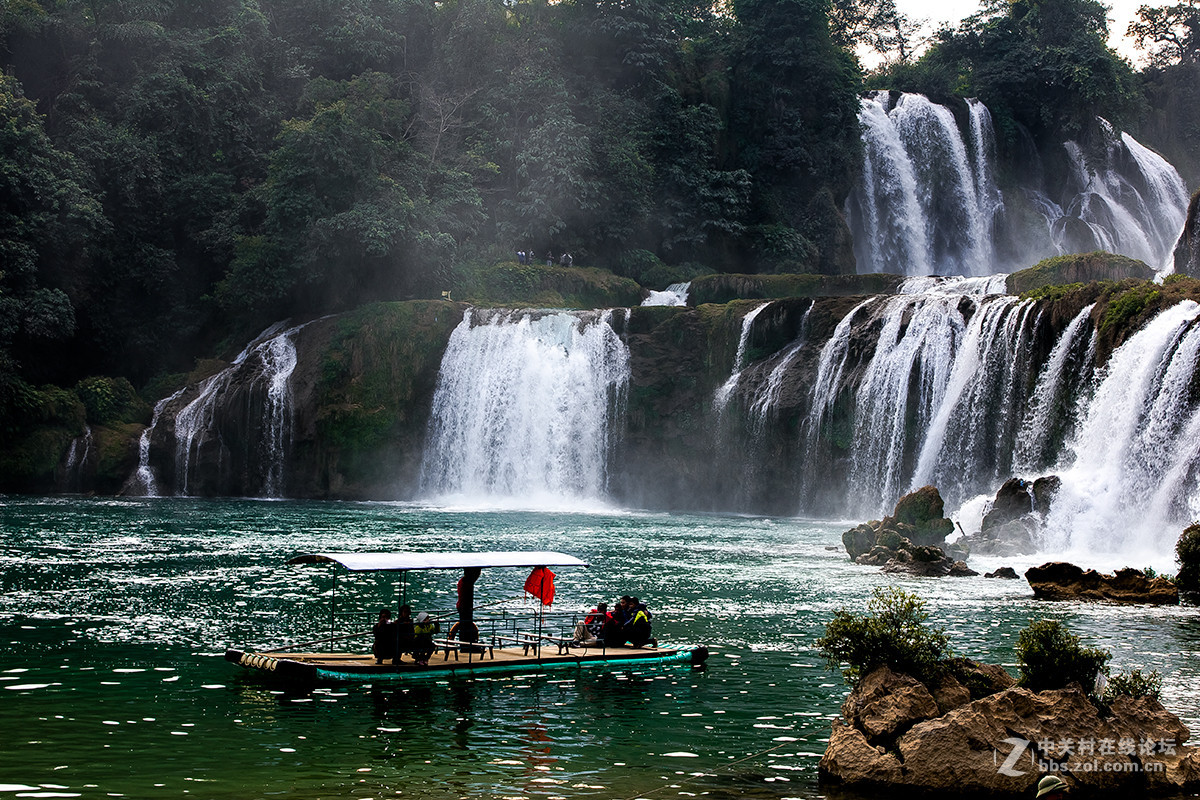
[263, 369]
[1130, 474]
[526, 408]
[726, 390]
[927, 201]
[674, 295]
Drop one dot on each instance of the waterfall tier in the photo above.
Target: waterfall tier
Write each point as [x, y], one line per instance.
[928, 200]
[527, 409]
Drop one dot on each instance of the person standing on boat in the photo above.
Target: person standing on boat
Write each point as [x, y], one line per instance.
[423, 630]
[404, 633]
[384, 647]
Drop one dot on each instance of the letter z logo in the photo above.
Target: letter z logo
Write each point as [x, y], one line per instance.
[1018, 749]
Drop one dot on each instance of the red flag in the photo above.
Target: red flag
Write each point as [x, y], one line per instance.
[540, 584]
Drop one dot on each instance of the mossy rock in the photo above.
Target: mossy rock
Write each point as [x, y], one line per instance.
[1079, 268]
[920, 507]
[116, 448]
[28, 461]
[540, 286]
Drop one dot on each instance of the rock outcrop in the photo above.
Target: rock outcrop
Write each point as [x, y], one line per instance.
[1059, 580]
[912, 541]
[1008, 573]
[1011, 527]
[1187, 249]
[899, 733]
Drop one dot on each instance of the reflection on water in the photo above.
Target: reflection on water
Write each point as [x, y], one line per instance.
[114, 615]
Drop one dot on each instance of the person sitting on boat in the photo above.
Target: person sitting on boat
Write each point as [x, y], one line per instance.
[423, 629]
[613, 633]
[594, 621]
[384, 629]
[404, 633]
[637, 624]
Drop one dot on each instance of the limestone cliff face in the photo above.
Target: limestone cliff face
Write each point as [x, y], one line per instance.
[1187, 249]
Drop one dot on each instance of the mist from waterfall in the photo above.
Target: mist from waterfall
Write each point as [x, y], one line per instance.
[928, 202]
[526, 410]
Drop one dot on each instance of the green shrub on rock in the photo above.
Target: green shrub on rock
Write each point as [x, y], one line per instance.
[1134, 684]
[894, 633]
[1051, 657]
[1187, 553]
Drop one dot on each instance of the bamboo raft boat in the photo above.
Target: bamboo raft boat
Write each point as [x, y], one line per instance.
[502, 646]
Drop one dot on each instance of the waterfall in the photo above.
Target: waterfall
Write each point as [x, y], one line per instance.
[143, 482]
[928, 202]
[76, 460]
[739, 362]
[969, 441]
[260, 377]
[526, 408]
[1055, 401]
[918, 208]
[1131, 480]
[674, 295]
[886, 405]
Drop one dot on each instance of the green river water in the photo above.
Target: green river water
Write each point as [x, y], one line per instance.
[114, 615]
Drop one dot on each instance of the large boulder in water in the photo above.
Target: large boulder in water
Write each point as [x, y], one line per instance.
[1012, 525]
[1059, 580]
[912, 541]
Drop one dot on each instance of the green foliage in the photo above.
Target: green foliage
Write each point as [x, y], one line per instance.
[1051, 657]
[1151, 573]
[509, 283]
[1187, 554]
[1128, 305]
[1133, 684]
[894, 633]
[1042, 65]
[109, 400]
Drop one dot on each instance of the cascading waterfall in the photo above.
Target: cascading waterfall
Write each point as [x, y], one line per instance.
[1129, 483]
[1056, 398]
[144, 482]
[970, 437]
[919, 207]
[525, 408]
[76, 460]
[721, 400]
[263, 370]
[928, 202]
[886, 405]
[674, 295]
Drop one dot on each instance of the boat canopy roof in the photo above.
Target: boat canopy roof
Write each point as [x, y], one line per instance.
[378, 562]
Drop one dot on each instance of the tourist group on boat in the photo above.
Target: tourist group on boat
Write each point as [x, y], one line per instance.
[627, 623]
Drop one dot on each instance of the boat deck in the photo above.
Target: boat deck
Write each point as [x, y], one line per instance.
[346, 666]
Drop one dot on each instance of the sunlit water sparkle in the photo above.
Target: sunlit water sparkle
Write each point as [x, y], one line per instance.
[114, 615]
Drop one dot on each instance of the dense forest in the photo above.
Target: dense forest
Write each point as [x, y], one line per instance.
[176, 175]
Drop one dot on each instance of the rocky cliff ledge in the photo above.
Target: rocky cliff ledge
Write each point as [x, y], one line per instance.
[975, 731]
